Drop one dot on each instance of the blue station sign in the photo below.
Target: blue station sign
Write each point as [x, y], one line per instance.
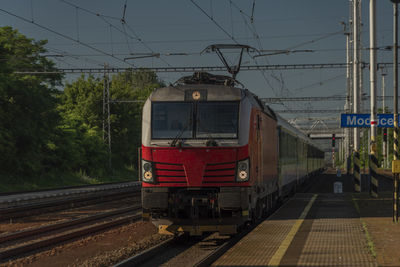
[364, 120]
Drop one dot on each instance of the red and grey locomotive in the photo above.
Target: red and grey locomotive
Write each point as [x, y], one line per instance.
[214, 157]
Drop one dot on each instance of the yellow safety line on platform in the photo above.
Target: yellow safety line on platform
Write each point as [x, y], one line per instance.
[277, 257]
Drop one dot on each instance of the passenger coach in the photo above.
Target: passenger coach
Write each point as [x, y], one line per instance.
[214, 157]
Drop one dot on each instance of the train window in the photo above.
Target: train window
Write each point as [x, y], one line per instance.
[172, 119]
[217, 119]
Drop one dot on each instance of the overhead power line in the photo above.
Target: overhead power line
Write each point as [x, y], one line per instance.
[65, 36]
[297, 99]
[316, 111]
[214, 21]
[314, 98]
[219, 40]
[124, 26]
[233, 39]
[62, 53]
[89, 11]
[192, 69]
[311, 111]
[202, 68]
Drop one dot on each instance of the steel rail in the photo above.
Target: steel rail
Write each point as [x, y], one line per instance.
[146, 254]
[31, 209]
[59, 188]
[61, 225]
[51, 241]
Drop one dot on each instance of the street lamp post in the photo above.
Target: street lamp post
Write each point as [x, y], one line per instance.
[356, 96]
[373, 159]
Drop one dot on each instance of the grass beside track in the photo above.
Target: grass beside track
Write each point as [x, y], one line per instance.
[371, 245]
[56, 180]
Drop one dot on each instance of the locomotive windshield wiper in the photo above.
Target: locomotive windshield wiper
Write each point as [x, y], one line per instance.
[173, 143]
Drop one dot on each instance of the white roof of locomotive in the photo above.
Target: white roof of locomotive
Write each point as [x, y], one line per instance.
[221, 93]
[214, 92]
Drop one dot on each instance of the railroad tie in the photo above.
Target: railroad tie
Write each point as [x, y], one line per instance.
[373, 170]
[357, 176]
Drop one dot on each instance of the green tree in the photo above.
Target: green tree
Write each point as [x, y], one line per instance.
[82, 114]
[81, 141]
[127, 117]
[43, 129]
[27, 111]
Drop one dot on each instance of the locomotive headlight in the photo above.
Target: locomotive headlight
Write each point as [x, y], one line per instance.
[147, 166]
[243, 171]
[147, 172]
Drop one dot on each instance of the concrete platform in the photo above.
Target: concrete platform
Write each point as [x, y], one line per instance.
[311, 229]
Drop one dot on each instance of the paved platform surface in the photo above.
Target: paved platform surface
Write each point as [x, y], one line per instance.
[312, 229]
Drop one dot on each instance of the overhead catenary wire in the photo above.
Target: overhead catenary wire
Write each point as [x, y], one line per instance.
[260, 47]
[214, 21]
[77, 23]
[231, 37]
[218, 40]
[252, 12]
[64, 36]
[65, 62]
[319, 83]
[76, 57]
[201, 68]
[31, 10]
[144, 43]
[115, 51]
[124, 11]
[256, 37]
[89, 11]
[271, 51]
[103, 18]
[123, 31]
[284, 51]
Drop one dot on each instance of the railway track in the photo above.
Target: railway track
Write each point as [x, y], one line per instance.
[206, 250]
[20, 243]
[173, 252]
[9, 200]
[67, 202]
[183, 250]
[74, 187]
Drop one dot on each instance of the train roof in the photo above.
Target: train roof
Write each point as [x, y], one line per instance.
[281, 121]
[207, 87]
[209, 92]
[293, 130]
[218, 88]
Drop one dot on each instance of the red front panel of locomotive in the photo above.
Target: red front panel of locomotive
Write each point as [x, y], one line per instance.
[194, 166]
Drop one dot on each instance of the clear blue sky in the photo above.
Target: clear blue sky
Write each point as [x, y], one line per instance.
[178, 26]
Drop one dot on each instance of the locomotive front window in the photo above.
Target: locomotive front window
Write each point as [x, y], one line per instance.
[171, 120]
[217, 120]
